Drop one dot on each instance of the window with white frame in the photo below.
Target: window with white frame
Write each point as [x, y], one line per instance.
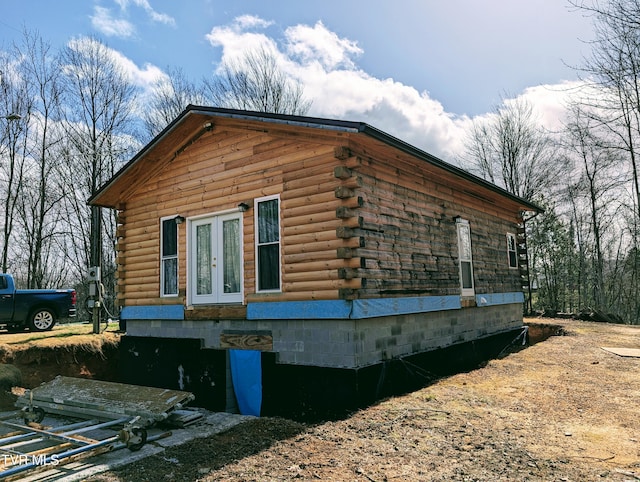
[267, 218]
[512, 251]
[466, 260]
[168, 257]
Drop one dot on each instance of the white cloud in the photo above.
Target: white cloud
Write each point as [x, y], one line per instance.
[103, 22]
[235, 39]
[318, 44]
[326, 65]
[146, 6]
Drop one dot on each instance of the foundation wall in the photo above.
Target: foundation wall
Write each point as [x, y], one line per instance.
[347, 343]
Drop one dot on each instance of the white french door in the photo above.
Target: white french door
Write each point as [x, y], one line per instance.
[216, 259]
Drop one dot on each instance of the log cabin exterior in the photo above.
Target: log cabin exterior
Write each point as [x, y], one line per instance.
[325, 245]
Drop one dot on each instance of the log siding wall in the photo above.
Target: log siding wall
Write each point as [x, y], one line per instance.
[353, 225]
[406, 232]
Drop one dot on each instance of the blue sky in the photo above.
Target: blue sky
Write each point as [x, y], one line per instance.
[418, 69]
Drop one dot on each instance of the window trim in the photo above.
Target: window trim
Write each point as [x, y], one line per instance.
[465, 292]
[511, 236]
[163, 259]
[256, 202]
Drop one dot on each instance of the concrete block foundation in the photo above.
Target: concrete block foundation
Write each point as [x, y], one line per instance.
[316, 366]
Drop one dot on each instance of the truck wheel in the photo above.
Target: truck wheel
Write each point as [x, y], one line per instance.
[42, 319]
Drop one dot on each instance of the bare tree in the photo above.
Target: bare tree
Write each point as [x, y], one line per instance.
[257, 82]
[99, 99]
[613, 102]
[614, 66]
[40, 196]
[512, 150]
[171, 94]
[594, 188]
[15, 105]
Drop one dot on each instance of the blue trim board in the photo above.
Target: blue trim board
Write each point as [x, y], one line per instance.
[299, 310]
[342, 309]
[492, 299]
[158, 312]
[371, 308]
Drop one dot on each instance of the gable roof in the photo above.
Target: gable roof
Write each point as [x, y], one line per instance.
[196, 120]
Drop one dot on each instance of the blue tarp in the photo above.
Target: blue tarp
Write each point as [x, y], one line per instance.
[246, 375]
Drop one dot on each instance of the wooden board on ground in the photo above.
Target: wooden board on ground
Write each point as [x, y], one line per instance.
[626, 352]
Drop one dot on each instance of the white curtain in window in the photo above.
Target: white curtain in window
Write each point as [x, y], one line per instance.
[231, 255]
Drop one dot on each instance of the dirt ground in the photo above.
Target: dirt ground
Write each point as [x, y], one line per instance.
[560, 410]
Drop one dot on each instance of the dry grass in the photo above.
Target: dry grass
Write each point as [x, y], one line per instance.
[69, 336]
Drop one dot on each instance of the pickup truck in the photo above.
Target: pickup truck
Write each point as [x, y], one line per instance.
[37, 310]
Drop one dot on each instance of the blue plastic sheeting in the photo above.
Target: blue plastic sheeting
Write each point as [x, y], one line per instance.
[299, 310]
[154, 312]
[246, 375]
[491, 299]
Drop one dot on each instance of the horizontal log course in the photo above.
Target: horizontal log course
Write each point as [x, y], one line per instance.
[318, 256]
[328, 207]
[154, 301]
[373, 293]
[311, 216]
[269, 145]
[145, 273]
[291, 276]
[148, 245]
[317, 164]
[327, 198]
[328, 245]
[313, 266]
[322, 285]
[312, 227]
[305, 198]
[306, 178]
[311, 237]
[310, 190]
[400, 276]
[329, 294]
[143, 283]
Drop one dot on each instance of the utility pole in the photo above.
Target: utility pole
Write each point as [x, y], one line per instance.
[95, 261]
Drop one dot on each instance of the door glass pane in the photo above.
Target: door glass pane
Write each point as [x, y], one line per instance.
[268, 228]
[465, 242]
[231, 255]
[170, 277]
[169, 237]
[203, 259]
[268, 266]
[467, 282]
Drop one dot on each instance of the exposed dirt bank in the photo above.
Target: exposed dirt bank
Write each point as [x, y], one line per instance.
[69, 350]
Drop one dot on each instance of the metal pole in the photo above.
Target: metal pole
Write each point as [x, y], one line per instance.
[96, 261]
